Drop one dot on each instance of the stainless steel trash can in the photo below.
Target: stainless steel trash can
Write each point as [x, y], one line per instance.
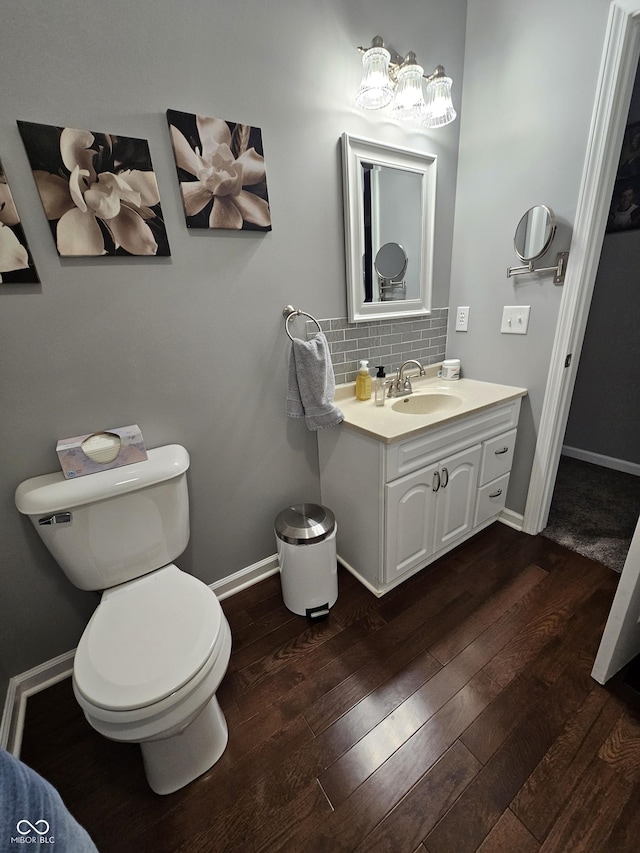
[306, 541]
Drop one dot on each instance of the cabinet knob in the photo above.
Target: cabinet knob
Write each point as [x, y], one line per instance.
[502, 450]
[495, 494]
[436, 481]
[445, 475]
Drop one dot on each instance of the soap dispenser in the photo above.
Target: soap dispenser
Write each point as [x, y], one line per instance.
[363, 381]
[380, 386]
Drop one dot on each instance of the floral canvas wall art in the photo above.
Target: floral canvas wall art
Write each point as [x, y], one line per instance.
[16, 263]
[98, 190]
[221, 172]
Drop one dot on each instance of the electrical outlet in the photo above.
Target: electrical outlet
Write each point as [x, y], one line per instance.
[515, 319]
[462, 319]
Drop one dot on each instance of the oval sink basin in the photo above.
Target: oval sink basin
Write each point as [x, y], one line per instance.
[427, 404]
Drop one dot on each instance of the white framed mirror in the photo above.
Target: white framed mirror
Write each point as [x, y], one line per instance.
[389, 201]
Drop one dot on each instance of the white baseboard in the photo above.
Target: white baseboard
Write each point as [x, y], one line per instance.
[20, 688]
[246, 577]
[600, 459]
[50, 672]
[512, 519]
[359, 577]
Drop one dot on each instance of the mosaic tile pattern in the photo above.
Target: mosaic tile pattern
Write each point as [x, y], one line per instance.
[386, 342]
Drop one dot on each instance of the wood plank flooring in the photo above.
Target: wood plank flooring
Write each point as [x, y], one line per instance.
[455, 714]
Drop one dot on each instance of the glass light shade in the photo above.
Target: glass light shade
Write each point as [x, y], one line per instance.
[409, 102]
[439, 109]
[376, 89]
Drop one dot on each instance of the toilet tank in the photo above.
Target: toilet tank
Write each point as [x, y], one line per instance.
[107, 528]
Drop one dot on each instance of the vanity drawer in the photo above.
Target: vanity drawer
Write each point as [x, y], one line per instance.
[491, 499]
[497, 456]
[404, 457]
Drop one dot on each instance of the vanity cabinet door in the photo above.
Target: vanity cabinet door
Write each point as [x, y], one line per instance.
[456, 497]
[409, 511]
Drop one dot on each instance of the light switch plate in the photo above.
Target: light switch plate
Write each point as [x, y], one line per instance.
[515, 319]
[462, 318]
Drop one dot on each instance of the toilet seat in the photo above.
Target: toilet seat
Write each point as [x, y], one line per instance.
[147, 639]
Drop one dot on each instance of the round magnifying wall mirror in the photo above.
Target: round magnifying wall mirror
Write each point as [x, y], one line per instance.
[391, 261]
[534, 233]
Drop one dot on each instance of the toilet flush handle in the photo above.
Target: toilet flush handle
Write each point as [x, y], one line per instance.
[56, 518]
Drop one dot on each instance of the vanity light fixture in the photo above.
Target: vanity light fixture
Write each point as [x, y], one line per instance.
[390, 79]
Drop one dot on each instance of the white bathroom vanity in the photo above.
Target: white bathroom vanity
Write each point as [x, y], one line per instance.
[409, 481]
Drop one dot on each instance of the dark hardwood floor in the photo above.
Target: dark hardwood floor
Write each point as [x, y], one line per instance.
[456, 713]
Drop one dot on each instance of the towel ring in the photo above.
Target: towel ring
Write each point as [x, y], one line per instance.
[289, 312]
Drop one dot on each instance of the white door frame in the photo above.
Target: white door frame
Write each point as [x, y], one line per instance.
[613, 96]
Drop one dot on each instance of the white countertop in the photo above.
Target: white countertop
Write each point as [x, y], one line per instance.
[386, 425]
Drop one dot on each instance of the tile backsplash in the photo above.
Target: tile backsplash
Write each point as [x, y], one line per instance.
[387, 342]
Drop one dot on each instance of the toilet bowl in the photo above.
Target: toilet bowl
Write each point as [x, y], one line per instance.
[146, 671]
[150, 661]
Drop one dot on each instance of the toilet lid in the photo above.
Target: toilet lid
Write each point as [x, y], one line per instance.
[146, 639]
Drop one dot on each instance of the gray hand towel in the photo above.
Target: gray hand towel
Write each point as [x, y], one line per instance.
[312, 384]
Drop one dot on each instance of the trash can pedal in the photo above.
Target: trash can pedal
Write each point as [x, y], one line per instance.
[318, 613]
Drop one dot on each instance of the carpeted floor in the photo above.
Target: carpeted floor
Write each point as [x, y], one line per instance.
[594, 511]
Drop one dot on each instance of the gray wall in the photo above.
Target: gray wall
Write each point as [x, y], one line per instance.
[192, 347]
[529, 90]
[605, 408]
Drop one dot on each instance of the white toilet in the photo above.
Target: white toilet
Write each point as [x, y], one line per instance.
[149, 662]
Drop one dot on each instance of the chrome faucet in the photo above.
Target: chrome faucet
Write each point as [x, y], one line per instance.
[402, 384]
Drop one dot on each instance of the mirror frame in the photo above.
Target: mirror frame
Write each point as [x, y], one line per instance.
[355, 150]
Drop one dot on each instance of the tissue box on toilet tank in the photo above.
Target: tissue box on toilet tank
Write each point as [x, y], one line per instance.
[100, 451]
